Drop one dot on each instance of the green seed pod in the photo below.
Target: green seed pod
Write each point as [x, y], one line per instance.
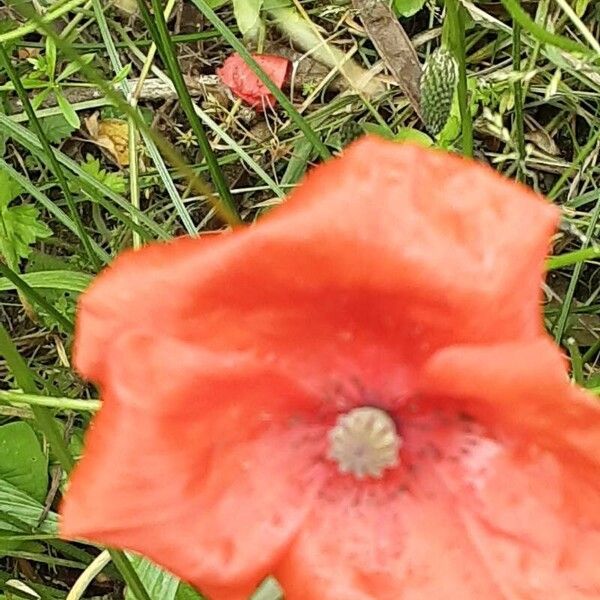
[438, 85]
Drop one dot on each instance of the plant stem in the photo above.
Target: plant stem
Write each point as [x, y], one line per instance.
[13, 397]
[518, 122]
[456, 40]
[572, 258]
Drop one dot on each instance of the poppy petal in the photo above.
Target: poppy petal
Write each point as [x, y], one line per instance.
[243, 82]
[523, 387]
[177, 445]
[478, 518]
[367, 257]
[530, 516]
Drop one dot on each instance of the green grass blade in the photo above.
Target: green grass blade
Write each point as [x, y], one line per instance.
[518, 122]
[160, 34]
[456, 40]
[71, 281]
[543, 35]
[35, 297]
[561, 323]
[163, 172]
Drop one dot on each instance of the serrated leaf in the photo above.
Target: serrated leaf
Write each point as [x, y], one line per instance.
[9, 189]
[20, 226]
[67, 110]
[22, 462]
[158, 582]
[114, 181]
[247, 16]
[56, 128]
[407, 8]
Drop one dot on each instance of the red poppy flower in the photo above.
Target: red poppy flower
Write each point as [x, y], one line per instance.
[243, 82]
[356, 396]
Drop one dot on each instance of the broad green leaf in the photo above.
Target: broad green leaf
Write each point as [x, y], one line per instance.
[158, 582]
[407, 8]
[9, 189]
[187, 592]
[581, 6]
[408, 134]
[22, 461]
[20, 513]
[247, 16]
[67, 110]
[379, 130]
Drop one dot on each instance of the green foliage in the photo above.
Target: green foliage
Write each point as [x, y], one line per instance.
[186, 592]
[56, 128]
[22, 462]
[20, 226]
[20, 513]
[158, 582]
[51, 272]
[114, 181]
[247, 16]
[407, 8]
[403, 134]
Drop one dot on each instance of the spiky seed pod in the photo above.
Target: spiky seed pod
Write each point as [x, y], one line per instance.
[438, 85]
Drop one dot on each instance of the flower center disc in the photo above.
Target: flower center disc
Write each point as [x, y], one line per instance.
[364, 442]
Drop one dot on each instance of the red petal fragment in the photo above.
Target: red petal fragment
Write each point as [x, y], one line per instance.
[243, 82]
[189, 463]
